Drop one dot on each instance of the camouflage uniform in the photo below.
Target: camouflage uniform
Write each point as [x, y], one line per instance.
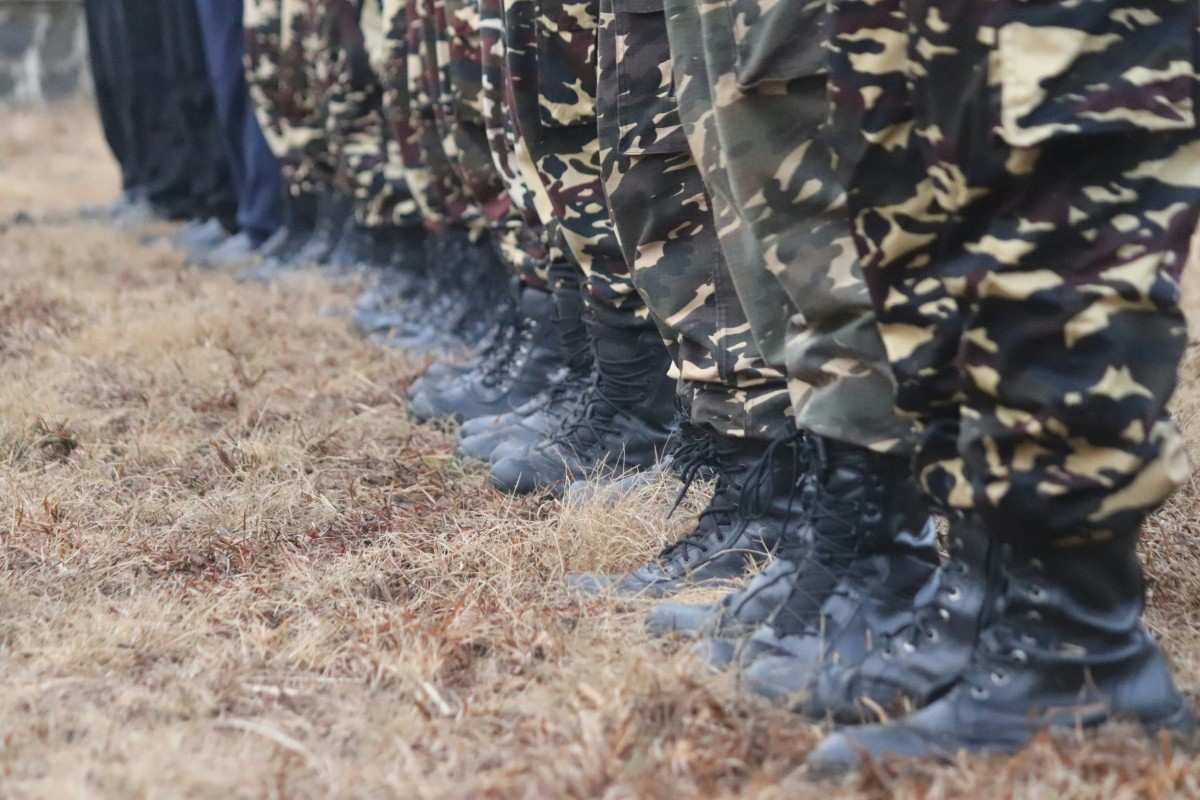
[669, 233]
[304, 73]
[1023, 187]
[751, 80]
[408, 110]
[358, 142]
[551, 74]
[504, 142]
[452, 29]
[263, 24]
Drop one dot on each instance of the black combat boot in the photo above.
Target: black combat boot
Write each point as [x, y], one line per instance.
[507, 384]
[400, 253]
[896, 555]
[921, 659]
[492, 439]
[470, 295]
[756, 494]
[493, 345]
[620, 424]
[333, 209]
[511, 435]
[1064, 649]
[278, 253]
[859, 505]
[353, 251]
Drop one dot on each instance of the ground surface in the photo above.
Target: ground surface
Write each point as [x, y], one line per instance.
[230, 567]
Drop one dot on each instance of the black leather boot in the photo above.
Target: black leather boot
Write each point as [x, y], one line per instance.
[757, 491]
[509, 435]
[868, 537]
[400, 254]
[1064, 649]
[278, 253]
[508, 383]
[333, 210]
[620, 424]
[470, 294]
[925, 655]
[353, 250]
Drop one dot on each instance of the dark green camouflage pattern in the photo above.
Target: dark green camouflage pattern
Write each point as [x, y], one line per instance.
[666, 224]
[753, 102]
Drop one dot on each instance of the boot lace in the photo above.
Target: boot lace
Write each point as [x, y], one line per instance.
[737, 500]
[830, 557]
[614, 387]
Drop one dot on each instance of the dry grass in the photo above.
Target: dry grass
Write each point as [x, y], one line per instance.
[230, 567]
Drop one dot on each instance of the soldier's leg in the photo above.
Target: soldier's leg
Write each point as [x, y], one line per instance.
[254, 169]
[308, 60]
[756, 135]
[1026, 278]
[677, 247]
[108, 54]
[278, 107]
[528, 364]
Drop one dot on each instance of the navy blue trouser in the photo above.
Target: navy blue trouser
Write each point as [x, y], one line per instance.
[256, 173]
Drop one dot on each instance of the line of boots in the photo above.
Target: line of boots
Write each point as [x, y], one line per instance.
[852, 616]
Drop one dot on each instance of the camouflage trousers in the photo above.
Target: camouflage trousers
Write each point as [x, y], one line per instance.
[682, 255]
[550, 72]
[304, 74]
[1023, 185]
[356, 131]
[753, 99]
[506, 146]
[262, 22]
[402, 60]
[452, 31]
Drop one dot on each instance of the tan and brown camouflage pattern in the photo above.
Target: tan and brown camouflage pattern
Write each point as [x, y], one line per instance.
[1024, 179]
[355, 122]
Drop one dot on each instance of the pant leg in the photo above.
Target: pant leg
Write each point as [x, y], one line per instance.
[551, 73]
[1024, 263]
[506, 146]
[754, 103]
[108, 54]
[667, 228]
[262, 23]
[254, 170]
[455, 26]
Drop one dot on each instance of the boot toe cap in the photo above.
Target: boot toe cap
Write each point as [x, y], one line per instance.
[718, 654]
[778, 677]
[590, 583]
[515, 476]
[847, 750]
[678, 619]
[479, 447]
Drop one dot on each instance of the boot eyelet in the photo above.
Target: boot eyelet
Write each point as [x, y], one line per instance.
[979, 693]
[908, 647]
[954, 595]
[999, 678]
[1020, 656]
[1037, 593]
[888, 653]
[1028, 640]
[943, 615]
[1037, 564]
[932, 635]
